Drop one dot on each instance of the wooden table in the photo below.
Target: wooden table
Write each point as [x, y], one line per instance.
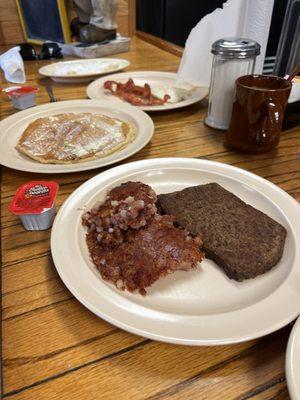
[54, 348]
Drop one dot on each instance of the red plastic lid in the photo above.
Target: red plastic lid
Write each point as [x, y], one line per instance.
[21, 91]
[34, 197]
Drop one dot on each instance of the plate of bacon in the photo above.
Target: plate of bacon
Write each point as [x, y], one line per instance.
[148, 90]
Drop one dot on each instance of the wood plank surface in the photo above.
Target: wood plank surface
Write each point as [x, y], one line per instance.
[10, 25]
[54, 348]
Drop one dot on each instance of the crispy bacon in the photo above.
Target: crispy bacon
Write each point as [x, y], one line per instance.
[134, 94]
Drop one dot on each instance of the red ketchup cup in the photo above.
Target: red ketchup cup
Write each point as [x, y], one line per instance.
[34, 203]
[22, 96]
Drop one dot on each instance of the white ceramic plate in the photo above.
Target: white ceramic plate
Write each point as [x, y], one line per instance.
[292, 364]
[155, 78]
[82, 70]
[202, 307]
[12, 127]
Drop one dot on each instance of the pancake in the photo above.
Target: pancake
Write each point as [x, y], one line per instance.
[70, 138]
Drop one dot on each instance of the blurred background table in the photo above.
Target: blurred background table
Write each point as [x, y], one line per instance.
[54, 348]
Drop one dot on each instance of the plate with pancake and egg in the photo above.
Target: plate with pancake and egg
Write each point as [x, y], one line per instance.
[147, 90]
[185, 251]
[70, 136]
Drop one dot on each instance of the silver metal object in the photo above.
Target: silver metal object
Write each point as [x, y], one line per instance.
[233, 57]
[236, 48]
[51, 95]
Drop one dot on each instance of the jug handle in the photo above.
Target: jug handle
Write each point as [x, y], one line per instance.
[272, 114]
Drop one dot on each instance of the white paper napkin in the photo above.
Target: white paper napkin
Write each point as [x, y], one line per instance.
[13, 66]
[238, 18]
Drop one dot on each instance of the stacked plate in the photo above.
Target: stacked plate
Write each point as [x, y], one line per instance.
[82, 70]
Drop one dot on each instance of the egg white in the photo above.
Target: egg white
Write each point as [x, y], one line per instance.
[176, 94]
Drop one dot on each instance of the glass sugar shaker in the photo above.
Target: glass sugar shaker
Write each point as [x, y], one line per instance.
[233, 57]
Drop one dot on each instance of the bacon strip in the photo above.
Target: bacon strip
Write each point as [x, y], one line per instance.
[134, 94]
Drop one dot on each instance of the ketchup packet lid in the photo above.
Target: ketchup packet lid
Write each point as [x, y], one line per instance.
[34, 197]
[18, 91]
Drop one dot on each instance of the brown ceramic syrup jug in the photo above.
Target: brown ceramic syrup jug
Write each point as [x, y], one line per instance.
[258, 112]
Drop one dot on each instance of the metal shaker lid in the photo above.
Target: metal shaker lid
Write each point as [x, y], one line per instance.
[236, 47]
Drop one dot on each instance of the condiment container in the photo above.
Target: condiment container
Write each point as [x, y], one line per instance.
[22, 96]
[34, 203]
[233, 57]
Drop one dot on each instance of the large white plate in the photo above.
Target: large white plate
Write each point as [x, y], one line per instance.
[202, 307]
[292, 364]
[12, 127]
[82, 70]
[95, 89]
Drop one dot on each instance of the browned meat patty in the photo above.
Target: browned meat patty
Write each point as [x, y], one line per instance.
[242, 240]
[131, 244]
